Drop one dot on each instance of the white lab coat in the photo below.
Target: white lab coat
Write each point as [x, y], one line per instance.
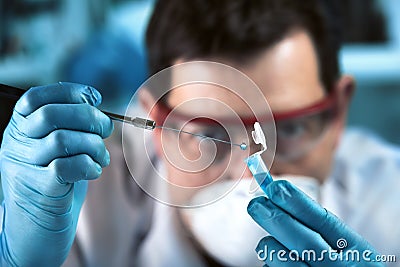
[364, 190]
[121, 226]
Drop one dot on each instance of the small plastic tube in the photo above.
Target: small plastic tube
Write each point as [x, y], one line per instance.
[259, 170]
[255, 163]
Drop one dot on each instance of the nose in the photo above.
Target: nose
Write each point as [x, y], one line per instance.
[240, 173]
[274, 170]
[280, 167]
[237, 168]
[247, 173]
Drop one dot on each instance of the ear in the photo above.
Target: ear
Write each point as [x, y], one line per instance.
[148, 103]
[344, 88]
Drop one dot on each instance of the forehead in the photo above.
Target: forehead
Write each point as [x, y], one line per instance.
[286, 74]
[215, 90]
[210, 100]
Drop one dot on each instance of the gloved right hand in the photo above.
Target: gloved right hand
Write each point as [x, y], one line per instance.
[303, 233]
[51, 147]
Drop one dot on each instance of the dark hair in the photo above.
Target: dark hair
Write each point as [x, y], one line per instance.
[237, 30]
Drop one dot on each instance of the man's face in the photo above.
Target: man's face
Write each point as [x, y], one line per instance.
[287, 75]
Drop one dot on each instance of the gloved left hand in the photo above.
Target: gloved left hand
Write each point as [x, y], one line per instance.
[52, 146]
[302, 233]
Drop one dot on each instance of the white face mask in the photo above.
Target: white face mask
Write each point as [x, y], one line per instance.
[224, 228]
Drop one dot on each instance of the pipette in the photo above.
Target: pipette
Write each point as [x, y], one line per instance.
[15, 93]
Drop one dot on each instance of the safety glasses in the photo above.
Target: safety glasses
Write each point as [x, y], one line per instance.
[297, 131]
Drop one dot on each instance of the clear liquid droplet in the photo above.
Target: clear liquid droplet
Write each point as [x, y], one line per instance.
[243, 146]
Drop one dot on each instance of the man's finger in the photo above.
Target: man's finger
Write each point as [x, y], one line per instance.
[60, 93]
[307, 211]
[78, 117]
[291, 233]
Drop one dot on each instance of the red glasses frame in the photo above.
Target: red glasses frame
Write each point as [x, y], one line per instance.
[329, 102]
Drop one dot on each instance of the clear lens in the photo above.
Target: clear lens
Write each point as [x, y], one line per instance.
[295, 137]
[199, 152]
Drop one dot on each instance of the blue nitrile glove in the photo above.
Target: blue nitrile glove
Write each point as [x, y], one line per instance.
[51, 147]
[300, 226]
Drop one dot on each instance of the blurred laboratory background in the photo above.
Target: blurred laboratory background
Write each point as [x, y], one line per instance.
[94, 42]
[101, 43]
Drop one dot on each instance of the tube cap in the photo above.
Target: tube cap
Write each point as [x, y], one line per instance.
[259, 137]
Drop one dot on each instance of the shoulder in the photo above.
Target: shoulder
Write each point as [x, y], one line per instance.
[360, 148]
[365, 162]
[366, 182]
